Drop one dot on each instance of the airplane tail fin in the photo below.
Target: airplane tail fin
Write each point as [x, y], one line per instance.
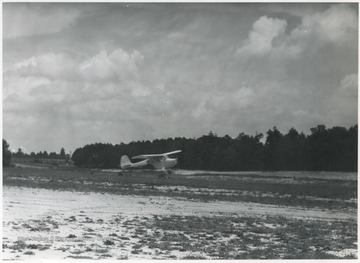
[125, 162]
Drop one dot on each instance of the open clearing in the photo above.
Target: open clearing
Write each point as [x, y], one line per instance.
[85, 214]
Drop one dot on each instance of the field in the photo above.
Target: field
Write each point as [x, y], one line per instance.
[64, 212]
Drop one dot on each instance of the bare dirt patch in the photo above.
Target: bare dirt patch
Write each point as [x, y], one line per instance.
[41, 223]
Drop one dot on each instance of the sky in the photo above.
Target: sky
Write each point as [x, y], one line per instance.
[83, 73]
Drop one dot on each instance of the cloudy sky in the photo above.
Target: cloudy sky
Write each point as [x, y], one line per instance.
[81, 73]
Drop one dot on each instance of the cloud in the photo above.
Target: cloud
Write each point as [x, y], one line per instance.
[30, 19]
[118, 64]
[348, 86]
[337, 25]
[21, 85]
[50, 65]
[59, 71]
[262, 35]
[236, 100]
[343, 103]
[65, 98]
[220, 111]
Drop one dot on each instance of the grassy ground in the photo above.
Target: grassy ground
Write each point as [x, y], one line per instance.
[252, 187]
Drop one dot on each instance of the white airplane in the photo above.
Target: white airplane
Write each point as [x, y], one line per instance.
[159, 161]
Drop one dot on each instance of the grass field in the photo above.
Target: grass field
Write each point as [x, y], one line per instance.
[190, 215]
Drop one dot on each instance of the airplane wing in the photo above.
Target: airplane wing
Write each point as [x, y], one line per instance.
[169, 153]
[154, 156]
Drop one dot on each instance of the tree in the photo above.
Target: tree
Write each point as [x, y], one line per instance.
[62, 153]
[352, 148]
[249, 152]
[78, 157]
[19, 153]
[273, 160]
[6, 154]
[319, 144]
[289, 150]
[52, 155]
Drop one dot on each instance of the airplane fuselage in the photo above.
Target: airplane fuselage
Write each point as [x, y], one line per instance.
[158, 161]
[163, 163]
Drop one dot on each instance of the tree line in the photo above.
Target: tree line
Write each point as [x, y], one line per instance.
[41, 154]
[7, 154]
[324, 149]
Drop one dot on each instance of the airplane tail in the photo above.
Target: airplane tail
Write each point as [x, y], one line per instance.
[125, 162]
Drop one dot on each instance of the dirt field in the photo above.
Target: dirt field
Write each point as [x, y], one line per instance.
[90, 214]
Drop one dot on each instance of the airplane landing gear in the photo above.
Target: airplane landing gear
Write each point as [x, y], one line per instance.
[166, 173]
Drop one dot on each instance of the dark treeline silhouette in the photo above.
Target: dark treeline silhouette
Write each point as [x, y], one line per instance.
[41, 155]
[333, 149]
[6, 154]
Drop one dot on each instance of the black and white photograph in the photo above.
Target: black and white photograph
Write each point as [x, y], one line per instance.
[179, 131]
